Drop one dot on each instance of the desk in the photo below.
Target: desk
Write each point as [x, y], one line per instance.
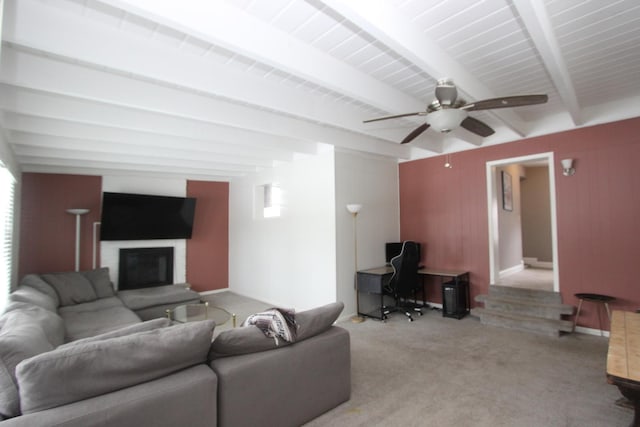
[454, 293]
[623, 363]
[373, 281]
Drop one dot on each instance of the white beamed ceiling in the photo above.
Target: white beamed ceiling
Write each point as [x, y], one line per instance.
[214, 90]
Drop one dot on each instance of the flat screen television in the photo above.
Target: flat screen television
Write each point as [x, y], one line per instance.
[393, 249]
[128, 216]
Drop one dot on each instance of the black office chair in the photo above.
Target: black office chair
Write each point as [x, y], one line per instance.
[405, 282]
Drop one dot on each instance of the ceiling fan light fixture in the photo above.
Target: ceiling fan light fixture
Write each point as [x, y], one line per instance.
[446, 120]
[447, 111]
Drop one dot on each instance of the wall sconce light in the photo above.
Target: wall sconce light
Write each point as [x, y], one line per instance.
[567, 167]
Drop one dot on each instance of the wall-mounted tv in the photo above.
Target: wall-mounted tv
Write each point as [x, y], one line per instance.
[144, 217]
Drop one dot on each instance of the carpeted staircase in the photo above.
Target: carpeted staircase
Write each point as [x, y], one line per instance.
[525, 309]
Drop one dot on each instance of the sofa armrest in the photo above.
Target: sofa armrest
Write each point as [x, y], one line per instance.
[287, 386]
[185, 398]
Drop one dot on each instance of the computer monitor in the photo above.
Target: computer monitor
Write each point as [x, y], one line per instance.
[393, 249]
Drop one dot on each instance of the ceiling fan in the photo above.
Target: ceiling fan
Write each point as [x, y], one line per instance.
[447, 112]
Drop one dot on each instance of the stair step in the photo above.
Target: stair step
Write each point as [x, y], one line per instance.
[527, 306]
[550, 327]
[523, 293]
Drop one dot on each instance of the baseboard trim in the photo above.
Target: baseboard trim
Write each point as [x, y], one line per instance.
[435, 305]
[533, 262]
[511, 270]
[591, 331]
[215, 291]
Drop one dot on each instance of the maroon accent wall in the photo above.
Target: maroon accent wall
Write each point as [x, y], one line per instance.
[47, 231]
[208, 249]
[598, 212]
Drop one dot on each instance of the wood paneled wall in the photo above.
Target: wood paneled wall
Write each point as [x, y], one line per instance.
[208, 249]
[598, 211]
[47, 231]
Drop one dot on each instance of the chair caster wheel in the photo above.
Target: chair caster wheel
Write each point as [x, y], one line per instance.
[410, 319]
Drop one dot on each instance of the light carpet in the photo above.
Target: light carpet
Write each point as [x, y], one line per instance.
[439, 371]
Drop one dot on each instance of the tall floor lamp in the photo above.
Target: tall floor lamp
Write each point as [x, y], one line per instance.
[77, 213]
[354, 208]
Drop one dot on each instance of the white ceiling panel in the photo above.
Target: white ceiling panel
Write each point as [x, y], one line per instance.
[217, 90]
[265, 10]
[294, 17]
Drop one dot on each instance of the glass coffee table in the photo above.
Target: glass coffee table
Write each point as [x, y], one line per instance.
[203, 311]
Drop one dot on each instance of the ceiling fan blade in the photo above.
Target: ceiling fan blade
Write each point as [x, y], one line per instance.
[477, 127]
[506, 102]
[397, 116]
[415, 133]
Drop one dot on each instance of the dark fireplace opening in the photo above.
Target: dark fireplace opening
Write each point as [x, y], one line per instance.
[145, 268]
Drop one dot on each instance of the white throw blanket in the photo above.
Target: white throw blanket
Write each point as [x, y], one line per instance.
[275, 323]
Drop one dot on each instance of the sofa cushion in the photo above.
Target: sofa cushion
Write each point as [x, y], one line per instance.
[98, 304]
[317, 320]
[101, 282]
[72, 288]
[31, 295]
[83, 324]
[244, 340]
[34, 281]
[137, 299]
[250, 339]
[127, 330]
[23, 313]
[99, 367]
[18, 341]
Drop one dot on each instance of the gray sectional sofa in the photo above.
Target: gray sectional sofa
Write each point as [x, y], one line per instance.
[74, 352]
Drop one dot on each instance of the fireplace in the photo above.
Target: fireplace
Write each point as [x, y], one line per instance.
[145, 267]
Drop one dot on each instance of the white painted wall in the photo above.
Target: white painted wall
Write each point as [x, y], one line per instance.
[289, 261]
[110, 250]
[373, 182]
[536, 215]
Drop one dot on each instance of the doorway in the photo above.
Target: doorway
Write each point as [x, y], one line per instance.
[498, 193]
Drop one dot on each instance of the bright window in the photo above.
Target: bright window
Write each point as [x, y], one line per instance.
[7, 189]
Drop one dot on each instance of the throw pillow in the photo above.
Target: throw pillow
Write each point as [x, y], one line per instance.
[31, 295]
[317, 320]
[34, 281]
[72, 288]
[250, 339]
[17, 342]
[149, 325]
[100, 367]
[101, 282]
[244, 340]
